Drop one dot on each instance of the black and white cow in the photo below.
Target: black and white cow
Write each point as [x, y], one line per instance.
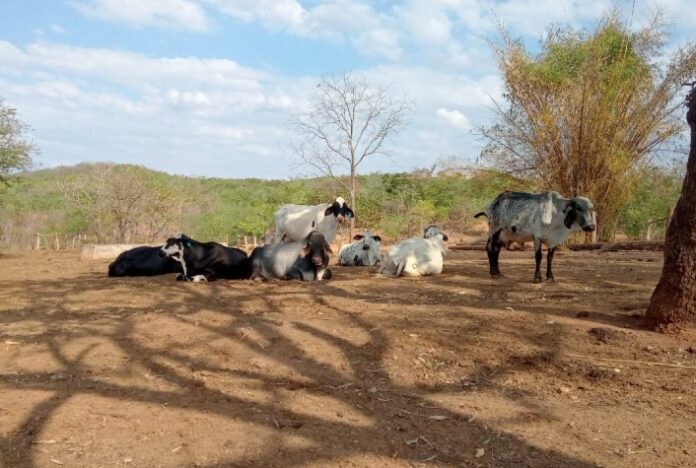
[295, 222]
[365, 251]
[306, 260]
[143, 261]
[539, 217]
[206, 261]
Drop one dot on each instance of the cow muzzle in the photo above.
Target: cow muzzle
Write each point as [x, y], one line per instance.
[589, 228]
[366, 247]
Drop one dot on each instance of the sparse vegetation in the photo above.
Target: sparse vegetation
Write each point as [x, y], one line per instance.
[80, 200]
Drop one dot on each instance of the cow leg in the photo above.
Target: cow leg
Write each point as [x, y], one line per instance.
[294, 273]
[549, 261]
[493, 247]
[537, 257]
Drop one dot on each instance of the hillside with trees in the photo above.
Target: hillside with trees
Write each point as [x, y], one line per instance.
[122, 203]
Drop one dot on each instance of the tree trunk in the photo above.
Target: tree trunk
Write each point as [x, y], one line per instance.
[353, 187]
[674, 298]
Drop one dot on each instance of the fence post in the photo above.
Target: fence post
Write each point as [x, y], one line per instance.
[57, 241]
[670, 212]
[38, 241]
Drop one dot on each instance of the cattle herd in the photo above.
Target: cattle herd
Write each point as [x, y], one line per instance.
[303, 237]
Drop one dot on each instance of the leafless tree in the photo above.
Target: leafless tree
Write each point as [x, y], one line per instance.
[348, 121]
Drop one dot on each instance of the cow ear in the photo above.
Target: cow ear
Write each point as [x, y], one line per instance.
[357, 237]
[327, 247]
[377, 238]
[570, 217]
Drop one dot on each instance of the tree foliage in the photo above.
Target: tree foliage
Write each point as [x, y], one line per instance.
[585, 114]
[393, 205]
[123, 203]
[15, 147]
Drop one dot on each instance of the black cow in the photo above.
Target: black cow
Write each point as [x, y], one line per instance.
[143, 261]
[206, 261]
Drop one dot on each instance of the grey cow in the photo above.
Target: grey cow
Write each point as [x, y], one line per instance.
[539, 217]
[306, 260]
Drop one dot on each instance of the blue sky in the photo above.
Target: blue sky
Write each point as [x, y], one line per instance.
[207, 87]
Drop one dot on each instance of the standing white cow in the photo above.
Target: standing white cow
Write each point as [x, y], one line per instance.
[417, 256]
[365, 251]
[295, 222]
[540, 217]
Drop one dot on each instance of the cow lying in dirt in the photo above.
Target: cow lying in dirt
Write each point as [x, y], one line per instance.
[143, 261]
[365, 251]
[306, 260]
[417, 256]
[206, 261]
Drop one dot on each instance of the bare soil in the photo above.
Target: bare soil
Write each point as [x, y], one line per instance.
[458, 369]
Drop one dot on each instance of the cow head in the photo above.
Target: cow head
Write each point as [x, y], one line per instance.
[340, 209]
[175, 245]
[580, 211]
[432, 231]
[370, 245]
[316, 249]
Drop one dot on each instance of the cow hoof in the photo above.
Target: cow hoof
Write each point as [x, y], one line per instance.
[550, 280]
[537, 280]
[180, 277]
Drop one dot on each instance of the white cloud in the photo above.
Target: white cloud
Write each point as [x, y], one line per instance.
[136, 69]
[454, 118]
[57, 28]
[215, 116]
[184, 15]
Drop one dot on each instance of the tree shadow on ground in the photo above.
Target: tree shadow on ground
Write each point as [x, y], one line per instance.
[401, 428]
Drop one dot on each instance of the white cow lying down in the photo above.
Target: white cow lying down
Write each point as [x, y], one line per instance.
[417, 256]
[365, 251]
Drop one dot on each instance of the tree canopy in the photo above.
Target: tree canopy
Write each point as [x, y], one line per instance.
[15, 147]
[587, 112]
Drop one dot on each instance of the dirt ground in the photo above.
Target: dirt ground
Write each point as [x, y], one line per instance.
[458, 369]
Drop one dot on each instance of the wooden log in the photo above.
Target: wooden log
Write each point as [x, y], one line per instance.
[617, 246]
[588, 246]
[603, 246]
[468, 247]
[634, 245]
